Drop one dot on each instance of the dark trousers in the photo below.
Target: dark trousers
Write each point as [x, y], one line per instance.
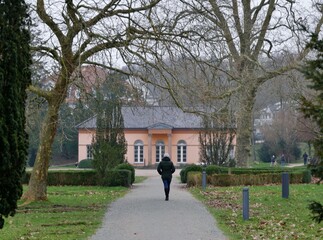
[167, 186]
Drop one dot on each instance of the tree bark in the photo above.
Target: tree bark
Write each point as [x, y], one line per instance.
[37, 188]
[244, 125]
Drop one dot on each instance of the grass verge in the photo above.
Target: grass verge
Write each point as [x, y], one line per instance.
[271, 216]
[140, 179]
[72, 212]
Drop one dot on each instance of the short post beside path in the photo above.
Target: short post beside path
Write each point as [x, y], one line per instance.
[285, 185]
[245, 203]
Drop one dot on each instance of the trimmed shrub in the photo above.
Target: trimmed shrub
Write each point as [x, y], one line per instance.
[117, 178]
[75, 178]
[194, 179]
[127, 166]
[85, 163]
[301, 177]
[85, 178]
[211, 169]
[307, 176]
[214, 169]
[72, 178]
[190, 168]
[244, 179]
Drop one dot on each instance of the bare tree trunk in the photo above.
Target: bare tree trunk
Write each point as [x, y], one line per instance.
[244, 126]
[37, 189]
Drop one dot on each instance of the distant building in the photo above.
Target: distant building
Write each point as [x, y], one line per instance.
[83, 81]
[266, 116]
[89, 78]
[150, 132]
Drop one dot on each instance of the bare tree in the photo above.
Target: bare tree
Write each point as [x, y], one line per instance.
[243, 44]
[216, 140]
[74, 33]
[231, 44]
[282, 134]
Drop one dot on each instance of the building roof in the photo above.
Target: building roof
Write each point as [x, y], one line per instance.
[153, 117]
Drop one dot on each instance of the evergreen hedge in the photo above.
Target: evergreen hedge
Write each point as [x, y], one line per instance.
[127, 166]
[214, 169]
[85, 163]
[195, 178]
[117, 178]
[85, 178]
[187, 169]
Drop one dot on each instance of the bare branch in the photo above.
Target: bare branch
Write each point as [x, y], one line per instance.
[264, 29]
[39, 92]
[41, 11]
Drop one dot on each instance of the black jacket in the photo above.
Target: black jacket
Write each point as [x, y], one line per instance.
[166, 168]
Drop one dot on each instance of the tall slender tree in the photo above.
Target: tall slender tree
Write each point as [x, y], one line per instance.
[15, 60]
[109, 146]
[313, 109]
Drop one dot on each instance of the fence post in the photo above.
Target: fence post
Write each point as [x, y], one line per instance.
[245, 203]
[203, 179]
[285, 185]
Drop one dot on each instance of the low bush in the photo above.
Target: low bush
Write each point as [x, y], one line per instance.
[117, 178]
[127, 166]
[189, 168]
[85, 163]
[307, 176]
[195, 179]
[72, 178]
[68, 178]
[214, 169]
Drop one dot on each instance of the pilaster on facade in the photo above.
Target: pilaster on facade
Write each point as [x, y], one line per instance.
[149, 149]
[169, 135]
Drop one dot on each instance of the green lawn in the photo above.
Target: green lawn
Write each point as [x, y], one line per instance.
[70, 213]
[271, 216]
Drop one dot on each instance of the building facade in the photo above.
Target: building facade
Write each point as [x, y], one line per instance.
[150, 132]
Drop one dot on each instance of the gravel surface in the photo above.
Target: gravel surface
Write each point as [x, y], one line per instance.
[143, 214]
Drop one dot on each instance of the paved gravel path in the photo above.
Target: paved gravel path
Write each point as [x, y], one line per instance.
[143, 214]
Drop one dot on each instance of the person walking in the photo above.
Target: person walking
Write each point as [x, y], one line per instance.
[166, 169]
[282, 160]
[305, 157]
[273, 160]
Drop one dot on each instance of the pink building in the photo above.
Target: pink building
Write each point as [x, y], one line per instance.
[150, 132]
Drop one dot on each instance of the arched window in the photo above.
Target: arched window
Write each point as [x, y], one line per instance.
[139, 151]
[181, 151]
[160, 150]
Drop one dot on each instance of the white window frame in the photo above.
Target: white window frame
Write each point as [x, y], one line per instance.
[160, 150]
[89, 152]
[181, 151]
[138, 151]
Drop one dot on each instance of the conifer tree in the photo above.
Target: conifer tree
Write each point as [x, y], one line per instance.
[15, 76]
[313, 109]
[109, 146]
